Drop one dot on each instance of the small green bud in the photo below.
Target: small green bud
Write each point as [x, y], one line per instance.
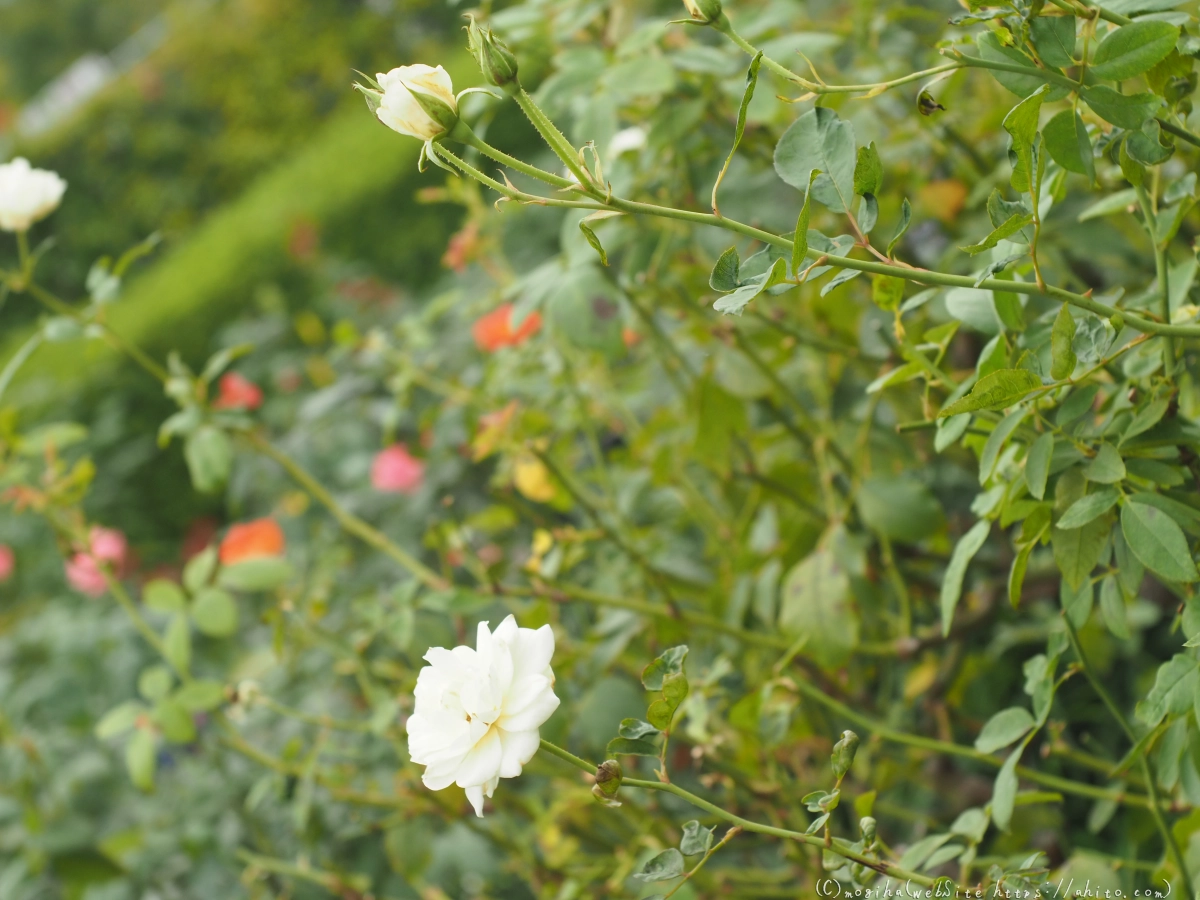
[608, 782]
[867, 826]
[705, 11]
[843, 754]
[496, 61]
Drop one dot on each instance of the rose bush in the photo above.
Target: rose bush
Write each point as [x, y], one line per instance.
[889, 579]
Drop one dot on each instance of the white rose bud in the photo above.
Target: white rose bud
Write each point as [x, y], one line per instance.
[705, 11]
[417, 100]
[478, 711]
[27, 194]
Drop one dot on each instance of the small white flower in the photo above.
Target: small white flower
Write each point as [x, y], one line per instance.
[478, 711]
[27, 194]
[625, 140]
[409, 95]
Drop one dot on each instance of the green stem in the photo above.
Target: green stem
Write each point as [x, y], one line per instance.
[1161, 272]
[1064, 785]
[729, 835]
[19, 359]
[345, 518]
[139, 622]
[1155, 803]
[555, 138]
[920, 276]
[883, 867]
[471, 139]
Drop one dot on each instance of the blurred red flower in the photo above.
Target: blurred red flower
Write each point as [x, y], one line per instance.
[238, 392]
[395, 470]
[106, 546]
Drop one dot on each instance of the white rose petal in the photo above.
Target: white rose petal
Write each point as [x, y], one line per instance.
[27, 194]
[399, 109]
[478, 710]
[625, 140]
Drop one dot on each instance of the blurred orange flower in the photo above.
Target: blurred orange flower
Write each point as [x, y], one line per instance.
[248, 540]
[495, 330]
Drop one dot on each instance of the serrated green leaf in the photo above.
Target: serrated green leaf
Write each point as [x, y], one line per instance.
[724, 277]
[663, 867]
[696, 839]
[1112, 608]
[997, 391]
[1062, 336]
[1054, 39]
[819, 139]
[1175, 686]
[1068, 143]
[1037, 465]
[1157, 541]
[1126, 110]
[1003, 728]
[1133, 49]
[1004, 790]
[868, 170]
[1021, 124]
[1106, 467]
[669, 662]
[1088, 508]
[1006, 230]
[620, 746]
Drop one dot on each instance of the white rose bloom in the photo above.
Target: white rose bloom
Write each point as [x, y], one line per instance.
[27, 194]
[399, 109]
[478, 711]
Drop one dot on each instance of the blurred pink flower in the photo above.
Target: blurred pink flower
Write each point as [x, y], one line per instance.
[106, 546]
[8, 563]
[238, 392]
[396, 471]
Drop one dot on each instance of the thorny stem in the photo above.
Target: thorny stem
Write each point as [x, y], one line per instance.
[883, 867]
[920, 276]
[1155, 802]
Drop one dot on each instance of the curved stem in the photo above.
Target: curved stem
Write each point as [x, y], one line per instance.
[1155, 803]
[883, 867]
[552, 136]
[345, 518]
[139, 622]
[471, 139]
[1162, 273]
[920, 276]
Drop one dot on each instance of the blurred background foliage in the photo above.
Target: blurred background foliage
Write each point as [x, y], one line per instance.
[293, 221]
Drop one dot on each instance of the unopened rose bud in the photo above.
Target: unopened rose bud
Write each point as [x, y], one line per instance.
[416, 100]
[608, 782]
[843, 754]
[705, 11]
[496, 61]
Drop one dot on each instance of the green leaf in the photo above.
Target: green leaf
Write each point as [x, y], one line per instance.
[1121, 201]
[1021, 123]
[1088, 508]
[118, 720]
[800, 240]
[1126, 110]
[1076, 601]
[1106, 467]
[1077, 550]
[1006, 230]
[819, 140]
[586, 226]
[669, 662]
[209, 455]
[733, 303]
[1175, 686]
[740, 128]
[201, 695]
[262, 573]
[696, 839]
[154, 682]
[887, 291]
[868, 170]
[1003, 728]
[177, 643]
[1004, 790]
[1130, 570]
[1062, 356]
[816, 603]
[1016, 573]
[635, 728]
[1157, 541]
[1146, 146]
[163, 595]
[176, 722]
[620, 746]
[720, 418]
[1133, 49]
[1146, 418]
[996, 441]
[199, 569]
[674, 690]
[140, 755]
[1054, 39]
[1037, 465]
[952, 582]
[663, 867]
[214, 612]
[905, 221]
[992, 50]
[724, 277]
[1068, 143]
[900, 507]
[1112, 608]
[997, 391]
